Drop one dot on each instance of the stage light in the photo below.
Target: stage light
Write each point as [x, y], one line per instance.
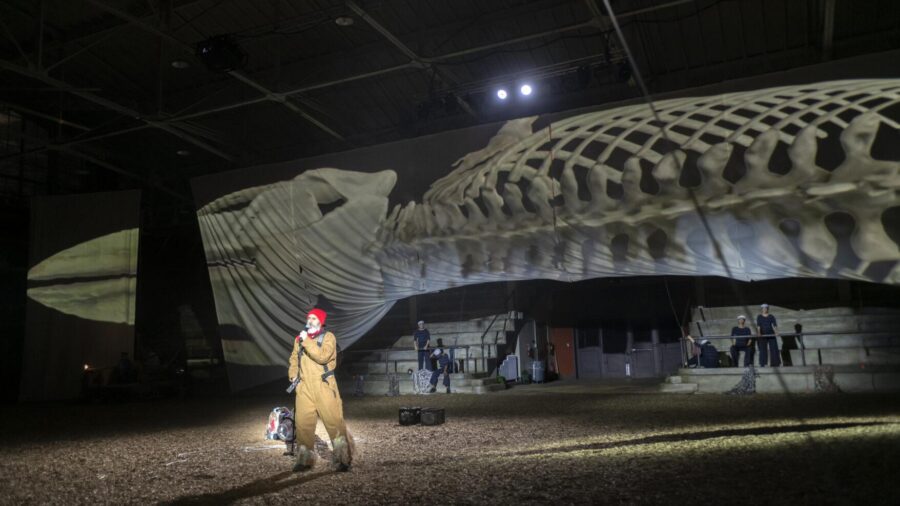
[525, 89]
[502, 94]
[87, 367]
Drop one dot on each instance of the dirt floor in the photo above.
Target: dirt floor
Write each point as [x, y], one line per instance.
[564, 444]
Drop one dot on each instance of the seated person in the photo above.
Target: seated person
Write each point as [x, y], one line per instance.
[742, 343]
[704, 354]
[443, 367]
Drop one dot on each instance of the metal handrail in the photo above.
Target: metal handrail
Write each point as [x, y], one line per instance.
[387, 351]
[799, 337]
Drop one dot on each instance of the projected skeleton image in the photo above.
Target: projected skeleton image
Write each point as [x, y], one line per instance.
[783, 182]
[94, 280]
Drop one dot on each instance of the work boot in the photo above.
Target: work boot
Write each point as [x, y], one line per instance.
[433, 389]
[340, 454]
[305, 459]
[448, 390]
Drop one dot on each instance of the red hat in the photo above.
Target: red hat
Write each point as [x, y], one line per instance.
[318, 314]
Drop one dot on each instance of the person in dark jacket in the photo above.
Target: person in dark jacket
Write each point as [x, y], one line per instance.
[767, 330]
[788, 343]
[422, 341]
[443, 367]
[743, 342]
[704, 353]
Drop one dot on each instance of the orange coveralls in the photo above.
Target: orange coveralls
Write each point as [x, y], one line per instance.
[318, 393]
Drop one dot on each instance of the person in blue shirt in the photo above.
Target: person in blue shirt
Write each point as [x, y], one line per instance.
[421, 341]
[443, 367]
[742, 343]
[767, 330]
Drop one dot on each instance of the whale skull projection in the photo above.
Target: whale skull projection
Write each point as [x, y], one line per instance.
[607, 193]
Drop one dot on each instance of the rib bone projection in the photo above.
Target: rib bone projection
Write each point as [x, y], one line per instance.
[798, 181]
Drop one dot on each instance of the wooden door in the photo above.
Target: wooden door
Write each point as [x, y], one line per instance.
[563, 340]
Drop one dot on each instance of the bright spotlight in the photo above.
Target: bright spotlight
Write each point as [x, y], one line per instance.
[502, 94]
[525, 89]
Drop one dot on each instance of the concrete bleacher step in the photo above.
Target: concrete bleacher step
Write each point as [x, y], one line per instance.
[378, 367]
[378, 384]
[678, 388]
[674, 380]
[848, 356]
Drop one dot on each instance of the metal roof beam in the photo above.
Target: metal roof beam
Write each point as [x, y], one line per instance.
[12, 38]
[38, 114]
[113, 106]
[267, 93]
[828, 30]
[415, 59]
[593, 22]
[118, 170]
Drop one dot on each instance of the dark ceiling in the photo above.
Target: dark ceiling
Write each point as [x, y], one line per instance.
[91, 99]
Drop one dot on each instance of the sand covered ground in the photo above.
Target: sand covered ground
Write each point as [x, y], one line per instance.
[559, 445]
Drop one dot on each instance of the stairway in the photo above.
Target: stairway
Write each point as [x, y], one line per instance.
[379, 357]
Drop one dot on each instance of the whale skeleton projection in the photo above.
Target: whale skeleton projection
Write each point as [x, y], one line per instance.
[608, 193]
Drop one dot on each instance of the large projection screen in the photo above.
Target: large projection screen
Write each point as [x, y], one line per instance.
[81, 290]
[787, 175]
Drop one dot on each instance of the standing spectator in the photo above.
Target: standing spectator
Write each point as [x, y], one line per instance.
[742, 343]
[767, 329]
[422, 341]
[788, 343]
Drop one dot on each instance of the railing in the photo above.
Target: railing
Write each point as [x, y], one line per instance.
[799, 337]
[387, 351]
[629, 361]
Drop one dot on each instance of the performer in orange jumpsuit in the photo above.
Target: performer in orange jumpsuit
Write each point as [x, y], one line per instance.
[313, 361]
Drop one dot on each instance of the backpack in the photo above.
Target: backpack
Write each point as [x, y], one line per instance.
[281, 425]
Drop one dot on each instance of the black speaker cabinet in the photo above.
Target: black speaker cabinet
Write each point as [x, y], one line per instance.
[432, 416]
[410, 416]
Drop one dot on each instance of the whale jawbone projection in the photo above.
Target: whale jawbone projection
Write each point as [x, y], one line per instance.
[787, 180]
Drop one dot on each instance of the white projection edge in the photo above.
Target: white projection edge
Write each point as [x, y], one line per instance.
[592, 195]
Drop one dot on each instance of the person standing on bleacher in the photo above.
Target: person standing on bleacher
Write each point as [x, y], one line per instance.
[422, 340]
[742, 343]
[767, 329]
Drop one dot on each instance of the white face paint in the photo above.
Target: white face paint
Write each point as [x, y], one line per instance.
[313, 322]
